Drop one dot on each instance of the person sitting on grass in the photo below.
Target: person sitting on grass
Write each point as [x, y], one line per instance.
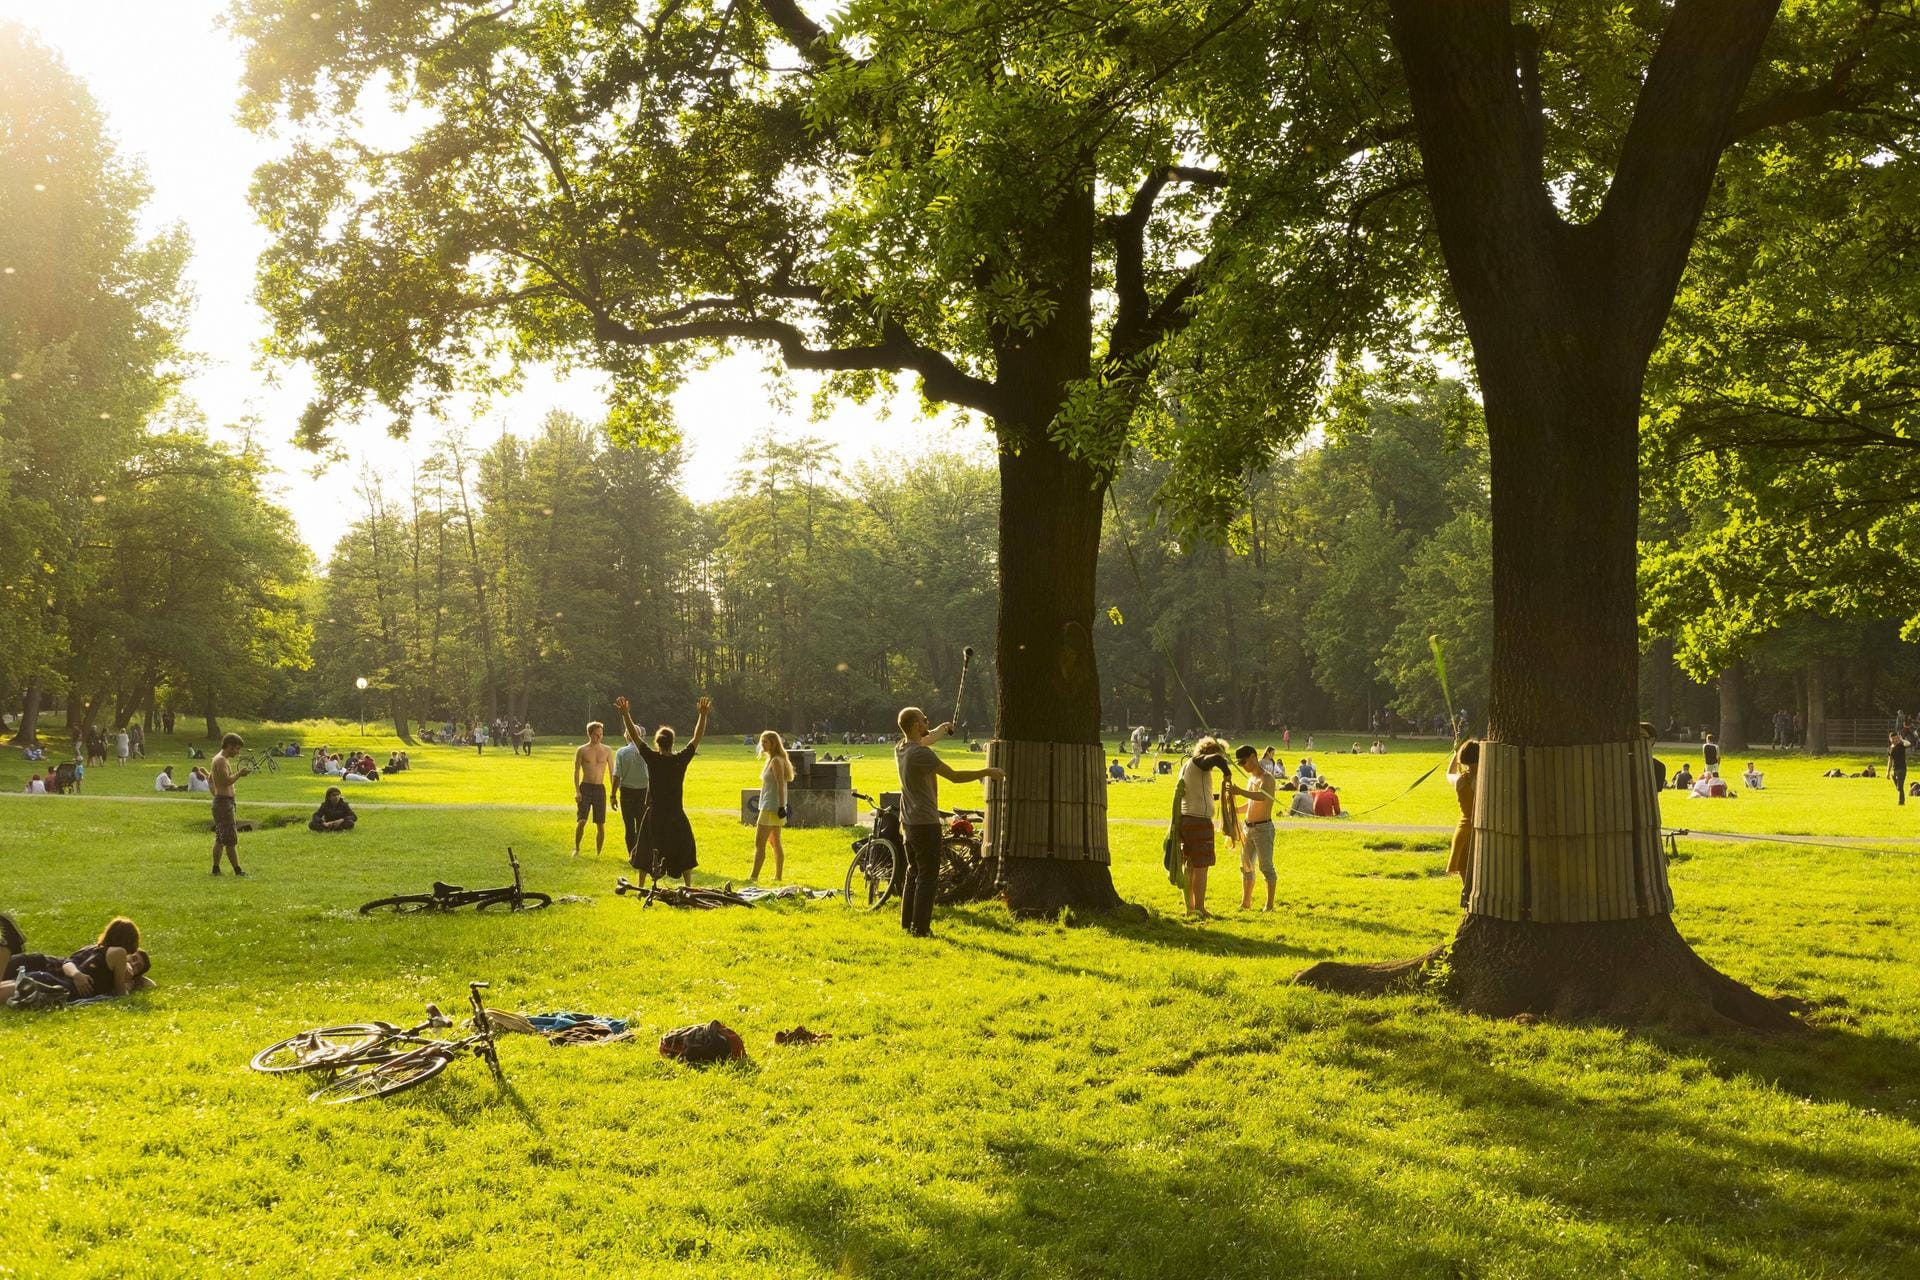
[1683, 780]
[163, 781]
[36, 785]
[1116, 772]
[198, 780]
[319, 762]
[1309, 773]
[112, 966]
[1753, 778]
[334, 813]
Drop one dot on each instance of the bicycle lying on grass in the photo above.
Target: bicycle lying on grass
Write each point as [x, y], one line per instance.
[680, 895]
[879, 862]
[451, 897]
[376, 1059]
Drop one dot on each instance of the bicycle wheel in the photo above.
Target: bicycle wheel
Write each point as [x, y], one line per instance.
[874, 873]
[320, 1048]
[957, 872]
[383, 1078]
[405, 904]
[528, 902]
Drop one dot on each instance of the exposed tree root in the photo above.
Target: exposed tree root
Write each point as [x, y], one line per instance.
[1624, 972]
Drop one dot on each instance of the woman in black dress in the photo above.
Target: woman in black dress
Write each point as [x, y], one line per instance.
[666, 837]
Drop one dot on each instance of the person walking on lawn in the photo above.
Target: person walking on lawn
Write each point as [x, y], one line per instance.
[592, 765]
[1897, 764]
[226, 831]
[920, 773]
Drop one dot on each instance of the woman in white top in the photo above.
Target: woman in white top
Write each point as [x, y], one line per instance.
[776, 772]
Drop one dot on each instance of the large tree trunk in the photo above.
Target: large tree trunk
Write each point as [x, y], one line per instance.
[1733, 707]
[28, 734]
[1049, 686]
[1048, 683]
[207, 705]
[1816, 722]
[1569, 905]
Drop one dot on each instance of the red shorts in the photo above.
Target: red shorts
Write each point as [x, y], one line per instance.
[1196, 842]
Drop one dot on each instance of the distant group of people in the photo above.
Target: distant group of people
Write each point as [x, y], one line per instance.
[355, 766]
[502, 731]
[91, 744]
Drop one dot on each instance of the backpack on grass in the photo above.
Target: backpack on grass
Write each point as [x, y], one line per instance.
[703, 1042]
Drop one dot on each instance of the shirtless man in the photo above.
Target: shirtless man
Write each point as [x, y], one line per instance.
[592, 763]
[223, 776]
[1256, 847]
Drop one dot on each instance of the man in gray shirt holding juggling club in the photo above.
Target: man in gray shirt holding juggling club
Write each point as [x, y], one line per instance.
[920, 774]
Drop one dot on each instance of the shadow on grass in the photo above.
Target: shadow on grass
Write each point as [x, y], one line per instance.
[1829, 1064]
[1211, 939]
[1655, 1160]
[1045, 1209]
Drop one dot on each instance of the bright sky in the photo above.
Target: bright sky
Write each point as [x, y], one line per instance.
[167, 79]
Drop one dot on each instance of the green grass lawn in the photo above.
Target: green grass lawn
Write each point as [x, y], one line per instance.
[1009, 1099]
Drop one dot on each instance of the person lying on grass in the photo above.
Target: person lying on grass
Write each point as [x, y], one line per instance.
[112, 966]
[334, 813]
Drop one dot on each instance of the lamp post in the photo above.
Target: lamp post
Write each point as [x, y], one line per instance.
[361, 684]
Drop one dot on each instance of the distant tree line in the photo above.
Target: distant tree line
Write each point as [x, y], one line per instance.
[142, 565]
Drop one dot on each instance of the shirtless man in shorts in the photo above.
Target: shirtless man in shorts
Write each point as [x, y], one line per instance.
[592, 766]
[223, 775]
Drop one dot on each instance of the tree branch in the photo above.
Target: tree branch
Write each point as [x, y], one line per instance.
[1835, 93]
[1679, 128]
[940, 378]
[801, 31]
[1132, 307]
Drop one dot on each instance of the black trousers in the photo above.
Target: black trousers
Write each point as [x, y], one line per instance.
[1900, 786]
[923, 877]
[633, 807]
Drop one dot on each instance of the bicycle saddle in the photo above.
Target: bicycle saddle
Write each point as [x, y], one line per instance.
[441, 889]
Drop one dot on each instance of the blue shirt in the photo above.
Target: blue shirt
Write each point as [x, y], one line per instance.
[630, 768]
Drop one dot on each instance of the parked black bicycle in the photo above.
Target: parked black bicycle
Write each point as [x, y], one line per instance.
[451, 897]
[879, 859]
[377, 1059]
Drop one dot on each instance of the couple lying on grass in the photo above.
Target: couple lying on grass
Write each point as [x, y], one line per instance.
[113, 966]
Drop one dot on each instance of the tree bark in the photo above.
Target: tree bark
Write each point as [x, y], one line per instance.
[1563, 319]
[207, 704]
[1816, 723]
[1050, 518]
[1733, 707]
[28, 734]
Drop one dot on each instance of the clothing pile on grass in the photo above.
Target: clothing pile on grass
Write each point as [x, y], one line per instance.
[562, 1028]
